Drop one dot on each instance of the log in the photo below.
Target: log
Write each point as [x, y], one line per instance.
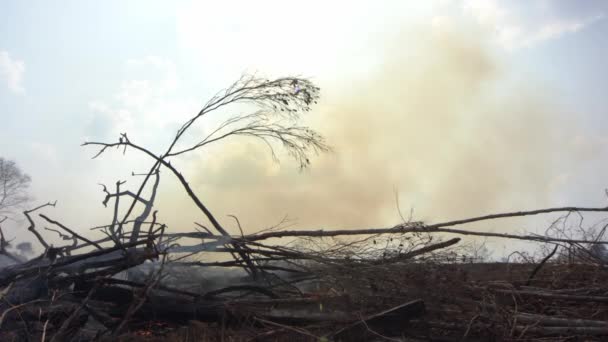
[549, 295]
[391, 322]
[558, 321]
[306, 316]
[562, 331]
[417, 252]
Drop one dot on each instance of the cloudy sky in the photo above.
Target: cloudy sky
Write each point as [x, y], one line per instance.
[461, 107]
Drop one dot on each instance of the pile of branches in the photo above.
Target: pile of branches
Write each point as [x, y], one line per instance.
[142, 281]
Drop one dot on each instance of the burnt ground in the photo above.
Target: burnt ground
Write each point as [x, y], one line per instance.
[460, 302]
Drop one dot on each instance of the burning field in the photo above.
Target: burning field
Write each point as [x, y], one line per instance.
[414, 281]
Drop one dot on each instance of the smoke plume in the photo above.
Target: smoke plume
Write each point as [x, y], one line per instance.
[441, 119]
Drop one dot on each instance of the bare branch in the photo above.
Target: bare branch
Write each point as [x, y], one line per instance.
[32, 226]
[147, 210]
[70, 231]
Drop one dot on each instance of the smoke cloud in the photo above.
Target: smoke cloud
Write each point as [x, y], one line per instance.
[441, 118]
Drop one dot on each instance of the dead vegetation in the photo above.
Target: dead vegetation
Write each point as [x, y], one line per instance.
[410, 282]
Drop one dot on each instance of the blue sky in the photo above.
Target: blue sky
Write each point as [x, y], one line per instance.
[77, 70]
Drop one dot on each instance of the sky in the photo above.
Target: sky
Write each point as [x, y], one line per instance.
[458, 108]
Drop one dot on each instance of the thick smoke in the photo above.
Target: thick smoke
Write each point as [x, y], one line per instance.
[441, 119]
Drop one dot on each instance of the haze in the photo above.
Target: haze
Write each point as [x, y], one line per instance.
[460, 107]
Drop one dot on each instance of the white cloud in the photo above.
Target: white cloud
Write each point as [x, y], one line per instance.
[107, 119]
[164, 69]
[44, 153]
[146, 102]
[487, 12]
[150, 78]
[556, 28]
[11, 71]
[589, 147]
[518, 26]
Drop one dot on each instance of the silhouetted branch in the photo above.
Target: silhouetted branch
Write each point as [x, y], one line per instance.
[70, 231]
[32, 226]
[147, 210]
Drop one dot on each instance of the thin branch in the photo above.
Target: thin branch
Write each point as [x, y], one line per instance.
[250, 288]
[70, 231]
[420, 251]
[186, 186]
[540, 265]
[32, 226]
[147, 210]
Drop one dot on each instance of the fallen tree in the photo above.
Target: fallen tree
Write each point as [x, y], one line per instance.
[141, 279]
